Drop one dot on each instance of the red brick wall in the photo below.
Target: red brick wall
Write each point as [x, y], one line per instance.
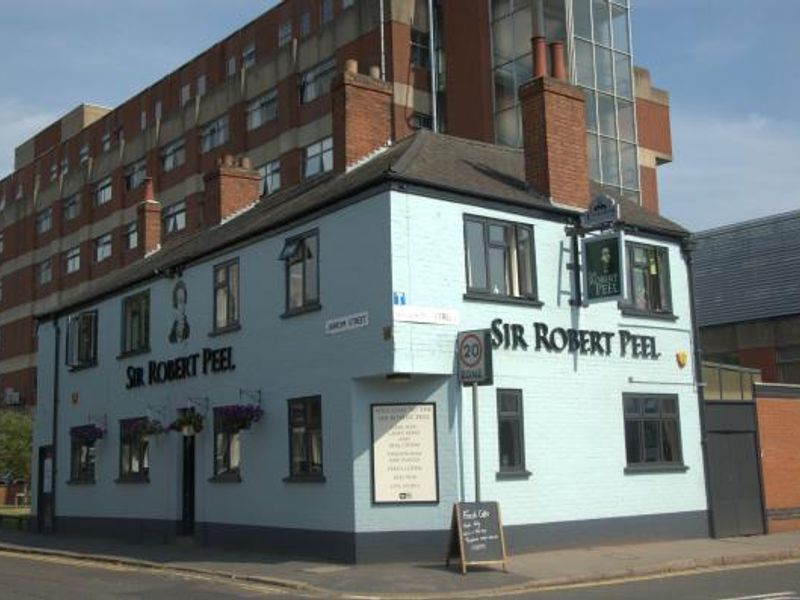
[648, 181]
[652, 120]
[779, 432]
[23, 381]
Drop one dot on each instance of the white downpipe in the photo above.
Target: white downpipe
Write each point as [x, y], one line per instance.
[383, 43]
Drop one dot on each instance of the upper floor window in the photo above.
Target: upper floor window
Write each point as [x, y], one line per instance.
[44, 272]
[135, 174]
[326, 11]
[305, 24]
[64, 166]
[230, 70]
[72, 207]
[201, 85]
[270, 177]
[102, 247]
[214, 134]
[249, 56]
[103, 192]
[132, 235]
[788, 362]
[105, 142]
[500, 258]
[284, 33]
[173, 155]
[262, 110]
[44, 220]
[134, 455]
[175, 217]
[157, 111]
[72, 260]
[143, 120]
[652, 430]
[136, 323]
[318, 158]
[82, 339]
[20, 192]
[226, 295]
[420, 49]
[83, 156]
[347, 3]
[317, 80]
[301, 254]
[2, 242]
[53, 171]
[186, 94]
[648, 278]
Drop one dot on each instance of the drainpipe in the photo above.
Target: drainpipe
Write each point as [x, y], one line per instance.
[56, 358]
[383, 43]
[434, 66]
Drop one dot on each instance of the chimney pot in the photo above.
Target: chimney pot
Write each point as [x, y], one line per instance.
[557, 60]
[539, 57]
[375, 72]
[351, 66]
[245, 163]
[228, 161]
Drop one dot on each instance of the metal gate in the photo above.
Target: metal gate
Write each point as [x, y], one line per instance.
[733, 469]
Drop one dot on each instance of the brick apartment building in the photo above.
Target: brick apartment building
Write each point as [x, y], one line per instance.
[74, 208]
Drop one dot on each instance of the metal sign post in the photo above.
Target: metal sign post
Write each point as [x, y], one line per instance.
[474, 369]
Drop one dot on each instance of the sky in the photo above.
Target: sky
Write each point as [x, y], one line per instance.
[732, 68]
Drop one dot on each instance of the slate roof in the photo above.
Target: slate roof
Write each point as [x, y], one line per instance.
[432, 160]
[748, 271]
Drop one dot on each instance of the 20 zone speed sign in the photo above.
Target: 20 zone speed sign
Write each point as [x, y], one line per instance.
[475, 357]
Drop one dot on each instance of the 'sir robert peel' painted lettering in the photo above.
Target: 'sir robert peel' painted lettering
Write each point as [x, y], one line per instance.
[510, 336]
[210, 360]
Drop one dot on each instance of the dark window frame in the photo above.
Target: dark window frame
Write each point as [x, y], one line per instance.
[224, 470]
[82, 466]
[486, 293]
[640, 417]
[310, 473]
[420, 51]
[139, 448]
[233, 309]
[86, 345]
[517, 416]
[139, 300]
[662, 278]
[294, 246]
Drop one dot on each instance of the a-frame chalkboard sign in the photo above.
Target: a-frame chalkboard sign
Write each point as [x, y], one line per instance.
[476, 535]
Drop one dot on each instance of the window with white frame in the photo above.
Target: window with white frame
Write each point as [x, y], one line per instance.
[105, 142]
[64, 166]
[82, 339]
[270, 177]
[226, 295]
[214, 134]
[131, 235]
[230, 69]
[44, 272]
[83, 156]
[318, 158]
[262, 110]
[20, 192]
[135, 174]
[136, 323]
[173, 155]
[102, 247]
[175, 217]
[186, 94]
[72, 207]
[53, 171]
[301, 255]
[157, 111]
[103, 191]
[249, 56]
[201, 85]
[317, 80]
[500, 258]
[326, 11]
[143, 120]
[72, 260]
[284, 33]
[44, 220]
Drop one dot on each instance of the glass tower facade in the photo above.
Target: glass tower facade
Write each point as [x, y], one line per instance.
[598, 42]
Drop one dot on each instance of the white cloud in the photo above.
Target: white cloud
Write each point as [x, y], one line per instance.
[730, 168]
[18, 123]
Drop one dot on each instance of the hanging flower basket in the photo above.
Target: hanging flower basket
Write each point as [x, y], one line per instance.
[87, 433]
[189, 423]
[236, 417]
[143, 428]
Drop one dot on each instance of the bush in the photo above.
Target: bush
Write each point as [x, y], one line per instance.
[16, 442]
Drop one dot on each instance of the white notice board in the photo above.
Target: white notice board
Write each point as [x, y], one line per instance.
[404, 454]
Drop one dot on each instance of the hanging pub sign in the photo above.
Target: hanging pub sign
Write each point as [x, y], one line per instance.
[602, 268]
[602, 212]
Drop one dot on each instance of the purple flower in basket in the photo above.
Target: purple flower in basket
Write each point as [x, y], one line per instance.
[87, 433]
[235, 417]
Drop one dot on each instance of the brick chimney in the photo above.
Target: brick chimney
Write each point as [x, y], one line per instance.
[148, 220]
[230, 188]
[362, 115]
[554, 132]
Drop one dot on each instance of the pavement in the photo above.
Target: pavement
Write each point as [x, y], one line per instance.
[526, 572]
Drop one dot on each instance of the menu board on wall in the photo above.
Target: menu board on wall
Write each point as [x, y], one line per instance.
[404, 464]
